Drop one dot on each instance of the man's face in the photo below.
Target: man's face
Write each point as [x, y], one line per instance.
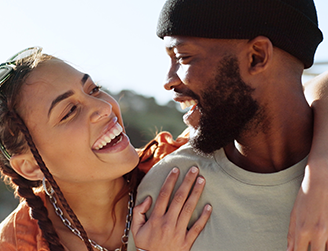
[204, 74]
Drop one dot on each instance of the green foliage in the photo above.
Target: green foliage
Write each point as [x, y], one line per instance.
[143, 117]
[7, 200]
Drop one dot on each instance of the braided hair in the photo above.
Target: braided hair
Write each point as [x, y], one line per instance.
[16, 138]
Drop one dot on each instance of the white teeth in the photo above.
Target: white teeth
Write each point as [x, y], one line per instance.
[183, 106]
[116, 131]
[107, 138]
[187, 104]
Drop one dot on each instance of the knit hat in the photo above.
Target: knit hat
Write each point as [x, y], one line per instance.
[291, 25]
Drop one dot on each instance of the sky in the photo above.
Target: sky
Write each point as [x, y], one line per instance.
[113, 41]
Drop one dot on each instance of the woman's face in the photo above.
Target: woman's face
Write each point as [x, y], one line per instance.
[71, 121]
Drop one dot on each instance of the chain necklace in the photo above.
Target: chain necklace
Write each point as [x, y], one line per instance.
[75, 231]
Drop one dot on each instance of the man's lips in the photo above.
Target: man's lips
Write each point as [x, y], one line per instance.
[188, 103]
[186, 98]
[192, 117]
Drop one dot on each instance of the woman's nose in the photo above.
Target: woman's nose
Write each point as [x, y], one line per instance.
[102, 110]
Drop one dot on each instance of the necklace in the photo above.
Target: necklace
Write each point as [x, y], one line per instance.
[75, 231]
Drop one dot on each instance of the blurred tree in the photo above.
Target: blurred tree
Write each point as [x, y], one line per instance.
[143, 117]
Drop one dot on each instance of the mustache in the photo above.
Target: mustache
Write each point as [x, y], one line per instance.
[186, 93]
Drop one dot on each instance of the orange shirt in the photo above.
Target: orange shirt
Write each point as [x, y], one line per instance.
[19, 231]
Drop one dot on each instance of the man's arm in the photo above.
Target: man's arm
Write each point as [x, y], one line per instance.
[309, 218]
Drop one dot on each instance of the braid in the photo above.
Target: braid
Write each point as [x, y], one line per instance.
[39, 211]
[15, 117]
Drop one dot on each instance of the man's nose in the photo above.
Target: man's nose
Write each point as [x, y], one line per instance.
[172, 79]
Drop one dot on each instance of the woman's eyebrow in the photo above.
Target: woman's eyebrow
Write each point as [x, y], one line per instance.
[84, 79]
[66, 94]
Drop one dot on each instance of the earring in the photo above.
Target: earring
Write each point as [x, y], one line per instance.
[49, 193]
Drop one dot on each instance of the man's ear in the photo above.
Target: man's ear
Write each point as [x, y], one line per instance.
[260, 54]
[25, 165]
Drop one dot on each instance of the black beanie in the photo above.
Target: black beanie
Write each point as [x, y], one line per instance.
[291, 25]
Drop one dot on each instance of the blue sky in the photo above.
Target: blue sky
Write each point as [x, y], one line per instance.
[113, 41]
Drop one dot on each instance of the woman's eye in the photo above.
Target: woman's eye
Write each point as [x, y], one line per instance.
[70, 112]
[96, 89]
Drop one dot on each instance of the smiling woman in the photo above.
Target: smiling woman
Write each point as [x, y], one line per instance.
[66, 153]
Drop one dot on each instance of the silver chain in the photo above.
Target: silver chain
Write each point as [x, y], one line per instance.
[75, 231]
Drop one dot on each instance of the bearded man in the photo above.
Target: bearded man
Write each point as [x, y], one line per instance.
[238, 65]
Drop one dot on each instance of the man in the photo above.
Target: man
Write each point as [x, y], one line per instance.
[238, 64]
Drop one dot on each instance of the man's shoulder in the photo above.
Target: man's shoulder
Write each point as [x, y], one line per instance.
[183, 158]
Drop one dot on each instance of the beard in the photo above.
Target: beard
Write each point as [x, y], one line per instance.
[226, 108]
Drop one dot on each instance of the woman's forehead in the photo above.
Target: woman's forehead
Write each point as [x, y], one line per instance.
[45, 83]
[52, 70]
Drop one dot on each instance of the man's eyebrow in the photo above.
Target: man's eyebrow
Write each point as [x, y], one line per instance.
[66, 94]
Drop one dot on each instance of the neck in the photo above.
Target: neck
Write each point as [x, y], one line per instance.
[280, 140]
[94, 205]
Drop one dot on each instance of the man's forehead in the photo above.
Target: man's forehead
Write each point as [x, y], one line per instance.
[186, 42]
[171, 42]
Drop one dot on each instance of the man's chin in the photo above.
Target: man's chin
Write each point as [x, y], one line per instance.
[199, 144]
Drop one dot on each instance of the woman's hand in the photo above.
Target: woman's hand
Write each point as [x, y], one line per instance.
[309, 218]
[167, 229]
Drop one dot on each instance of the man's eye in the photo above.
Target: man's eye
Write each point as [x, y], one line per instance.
[70, 112]
[181, 60]
[96, 89]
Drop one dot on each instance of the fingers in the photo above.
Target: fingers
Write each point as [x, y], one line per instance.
[165, 193]
[166, 228]
[291, 231]
[139, 218]
[181, 195]
[315, 239]
[301, 244]
[191, 203]
[318, 246]
[199, 224]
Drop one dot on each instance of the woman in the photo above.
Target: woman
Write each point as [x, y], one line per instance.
[66, 153]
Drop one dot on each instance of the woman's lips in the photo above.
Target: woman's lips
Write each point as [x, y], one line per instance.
[118, 144]
[108, 137]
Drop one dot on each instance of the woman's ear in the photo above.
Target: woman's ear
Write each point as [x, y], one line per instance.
[25, 165]
[260, 54]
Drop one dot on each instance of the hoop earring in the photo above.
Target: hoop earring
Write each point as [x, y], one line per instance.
[48, 192]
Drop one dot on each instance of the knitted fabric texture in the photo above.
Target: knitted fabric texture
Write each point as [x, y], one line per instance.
[291, 25]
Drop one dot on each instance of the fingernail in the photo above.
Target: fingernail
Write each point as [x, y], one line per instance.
[200, 180]
[194, 169]
[208, 208]
[174, 170]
